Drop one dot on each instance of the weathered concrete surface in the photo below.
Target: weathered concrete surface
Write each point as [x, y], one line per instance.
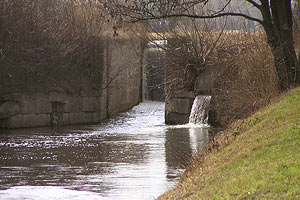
[28, 106]
[43, 106]
[90, 104]
[183, 94]
[174, 118]
[9, 109]
[181, 105]
[28, 120]
[96, 117]
[41, 109]
[178, 107]
[73, 104]
[205, 81]
[123, 75]
[57, 97]
[81, 118]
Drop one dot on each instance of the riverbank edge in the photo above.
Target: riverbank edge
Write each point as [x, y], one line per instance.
[257, 158]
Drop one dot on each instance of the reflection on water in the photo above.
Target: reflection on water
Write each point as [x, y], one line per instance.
[132, 156]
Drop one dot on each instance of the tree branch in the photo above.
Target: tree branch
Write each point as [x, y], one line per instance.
[254, 3]
[137, 19]
[222, 10]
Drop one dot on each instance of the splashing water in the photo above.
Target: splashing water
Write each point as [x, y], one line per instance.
[199, 112]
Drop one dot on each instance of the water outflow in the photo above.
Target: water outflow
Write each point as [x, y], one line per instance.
[199, 112]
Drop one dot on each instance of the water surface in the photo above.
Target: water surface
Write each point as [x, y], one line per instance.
[132, 156]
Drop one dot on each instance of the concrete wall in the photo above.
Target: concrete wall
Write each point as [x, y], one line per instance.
[55, 108]
[205, 81]
[122, 76]
[120, 90]
[178, 107]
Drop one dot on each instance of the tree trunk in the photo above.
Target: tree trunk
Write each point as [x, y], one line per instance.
[279, 32]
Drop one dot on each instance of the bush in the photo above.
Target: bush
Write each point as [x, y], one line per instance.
[246, 79]
[47, 45]
[243, 79]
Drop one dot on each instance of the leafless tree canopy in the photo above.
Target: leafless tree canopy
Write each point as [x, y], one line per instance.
[140, 10]
[274, 16]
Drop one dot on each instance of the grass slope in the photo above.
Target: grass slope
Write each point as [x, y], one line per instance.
[262, 160]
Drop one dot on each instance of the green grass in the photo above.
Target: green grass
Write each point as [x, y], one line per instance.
[262, 160]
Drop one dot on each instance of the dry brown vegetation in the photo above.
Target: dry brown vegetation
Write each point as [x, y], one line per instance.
[244, 77]
[50, 45]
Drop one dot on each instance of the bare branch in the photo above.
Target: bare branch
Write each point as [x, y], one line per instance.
[224, 7]
[137, 19]
[254, 3]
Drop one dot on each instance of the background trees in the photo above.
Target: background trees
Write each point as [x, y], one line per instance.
[276, 18]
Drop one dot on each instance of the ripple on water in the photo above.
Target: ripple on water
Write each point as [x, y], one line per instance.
[132, 156]
[46, 193]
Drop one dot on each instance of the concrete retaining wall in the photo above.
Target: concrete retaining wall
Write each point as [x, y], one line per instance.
[178, 107]
[122, 76]
[36, 110]
[121, 90]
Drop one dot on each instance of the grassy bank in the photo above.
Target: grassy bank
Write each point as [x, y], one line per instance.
[260, 161]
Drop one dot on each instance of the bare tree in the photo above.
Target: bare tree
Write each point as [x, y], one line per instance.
[275, 17]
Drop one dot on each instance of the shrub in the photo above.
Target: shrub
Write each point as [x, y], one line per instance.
[246, 78]
[243, 79]
[46, 45]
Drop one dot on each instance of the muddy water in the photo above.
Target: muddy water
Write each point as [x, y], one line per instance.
[132, 156]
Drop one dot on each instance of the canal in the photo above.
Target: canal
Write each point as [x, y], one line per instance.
[131, 156]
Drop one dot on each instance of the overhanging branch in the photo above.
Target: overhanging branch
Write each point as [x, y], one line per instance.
[254, 3]
[137, 19]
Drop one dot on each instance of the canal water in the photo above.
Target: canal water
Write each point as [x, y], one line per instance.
[132, 156]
